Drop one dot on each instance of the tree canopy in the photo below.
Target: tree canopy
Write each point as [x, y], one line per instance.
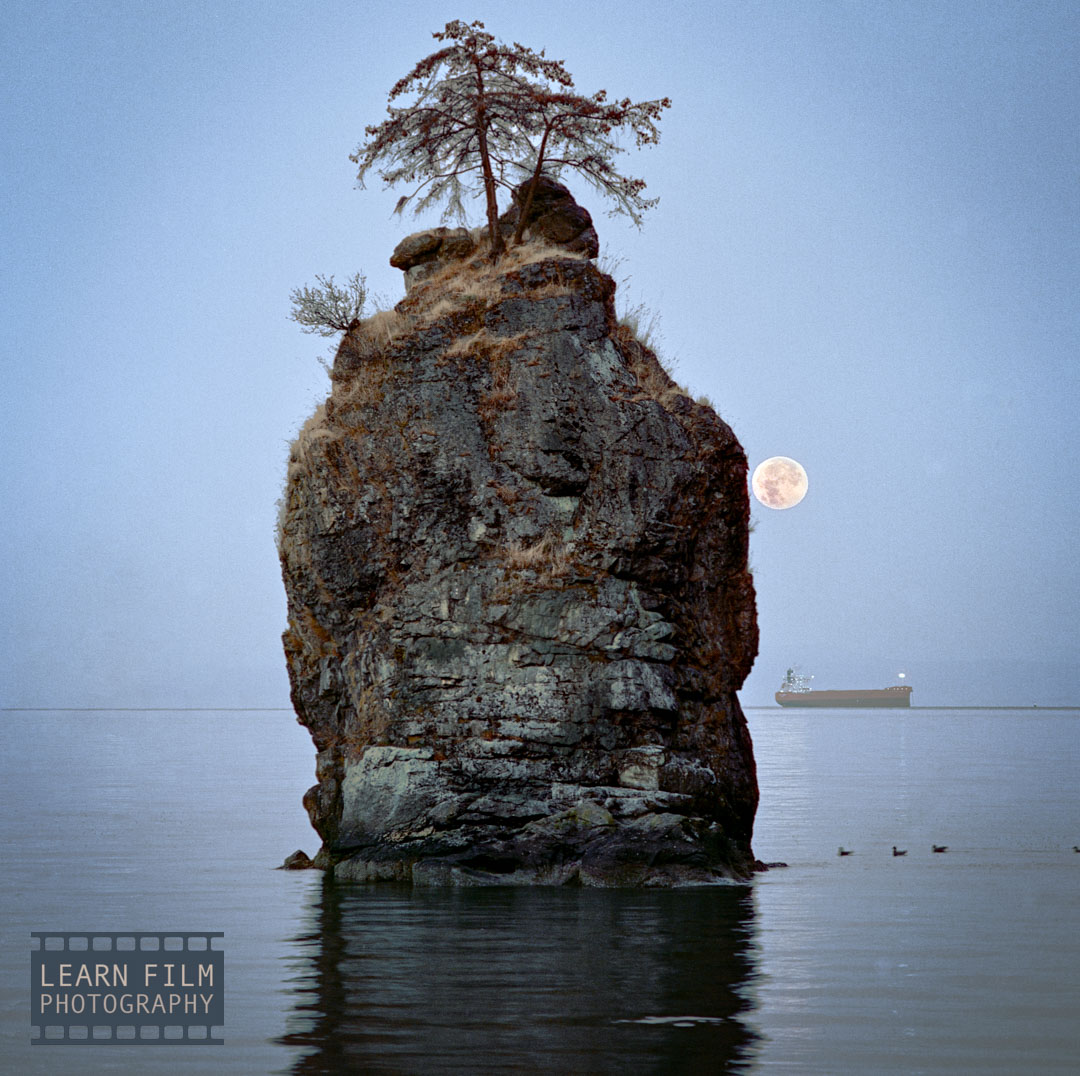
[485, 115]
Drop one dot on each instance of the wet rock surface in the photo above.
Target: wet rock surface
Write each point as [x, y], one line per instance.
[515, 556]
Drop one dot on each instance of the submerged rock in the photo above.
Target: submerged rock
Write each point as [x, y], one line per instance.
[515, 555]
[298, 861]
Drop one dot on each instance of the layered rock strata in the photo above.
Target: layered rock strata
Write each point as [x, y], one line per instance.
[515, 555]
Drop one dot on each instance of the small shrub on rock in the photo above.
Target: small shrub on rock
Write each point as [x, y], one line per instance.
[327, 309]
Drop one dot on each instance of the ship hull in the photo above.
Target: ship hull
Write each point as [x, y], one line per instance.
[872, 698]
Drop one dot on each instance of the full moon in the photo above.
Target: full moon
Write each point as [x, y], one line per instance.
[779, 482]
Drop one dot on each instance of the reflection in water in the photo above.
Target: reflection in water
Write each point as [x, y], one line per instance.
[398, 980]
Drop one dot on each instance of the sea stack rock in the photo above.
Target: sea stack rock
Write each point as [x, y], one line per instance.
[515, 555]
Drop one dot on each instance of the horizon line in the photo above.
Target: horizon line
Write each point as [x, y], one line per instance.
[290, 709]
[142, 709]
[893, 709]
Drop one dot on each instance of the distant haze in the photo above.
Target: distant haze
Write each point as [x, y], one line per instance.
[866, 254]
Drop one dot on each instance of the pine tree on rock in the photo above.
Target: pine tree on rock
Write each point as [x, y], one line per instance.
[484, 114]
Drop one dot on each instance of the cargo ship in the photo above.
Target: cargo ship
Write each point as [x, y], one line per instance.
[796, 691]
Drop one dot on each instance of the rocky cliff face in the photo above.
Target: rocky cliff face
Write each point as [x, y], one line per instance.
[515, 555]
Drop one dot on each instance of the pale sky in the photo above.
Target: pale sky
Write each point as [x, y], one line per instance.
[866, 254]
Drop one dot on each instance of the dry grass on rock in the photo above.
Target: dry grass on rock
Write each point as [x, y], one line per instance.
[548, 557]
[654, 382]
[475, 284]
[500, 397]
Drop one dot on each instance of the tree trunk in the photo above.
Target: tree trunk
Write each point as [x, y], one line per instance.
[497, 244]
[520, 230]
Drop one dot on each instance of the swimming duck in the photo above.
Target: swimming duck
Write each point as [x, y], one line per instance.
[939, 847]
[843, 851]
[899, 851]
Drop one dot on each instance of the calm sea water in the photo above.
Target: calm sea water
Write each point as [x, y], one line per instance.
[967, 962]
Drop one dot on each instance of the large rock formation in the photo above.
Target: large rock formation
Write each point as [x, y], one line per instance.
[515, 554]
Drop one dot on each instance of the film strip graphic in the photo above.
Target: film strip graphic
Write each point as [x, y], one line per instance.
[136, 988]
